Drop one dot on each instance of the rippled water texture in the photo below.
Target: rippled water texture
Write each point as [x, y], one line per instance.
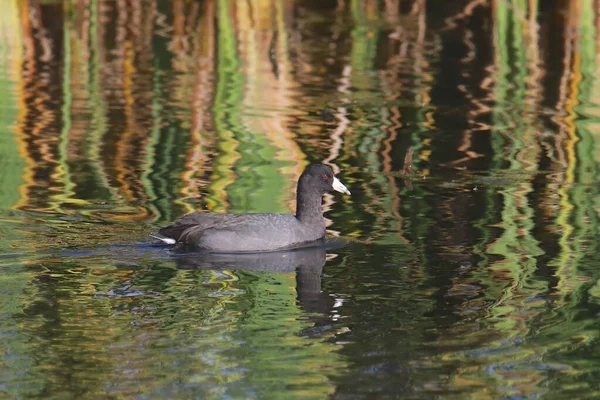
[475, 276]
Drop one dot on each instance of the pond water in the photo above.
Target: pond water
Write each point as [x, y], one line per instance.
[475, 276]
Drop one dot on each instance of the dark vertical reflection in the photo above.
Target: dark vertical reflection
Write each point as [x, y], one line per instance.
[42, 121]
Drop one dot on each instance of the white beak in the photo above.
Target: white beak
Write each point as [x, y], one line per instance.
[339, 186]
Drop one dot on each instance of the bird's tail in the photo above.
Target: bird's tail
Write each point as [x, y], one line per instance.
[163, 239]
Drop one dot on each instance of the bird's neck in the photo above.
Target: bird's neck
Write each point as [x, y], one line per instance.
[308, 207]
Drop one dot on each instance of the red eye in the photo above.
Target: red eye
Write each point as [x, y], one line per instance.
[325, 177]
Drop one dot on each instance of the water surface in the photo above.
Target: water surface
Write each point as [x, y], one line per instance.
[477, 276]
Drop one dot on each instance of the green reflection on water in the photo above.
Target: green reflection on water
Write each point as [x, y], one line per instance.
[12, 164]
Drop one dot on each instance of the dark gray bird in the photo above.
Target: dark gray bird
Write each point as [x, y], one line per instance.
[260, 232]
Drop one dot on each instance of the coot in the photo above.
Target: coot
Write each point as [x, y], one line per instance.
[264, 231]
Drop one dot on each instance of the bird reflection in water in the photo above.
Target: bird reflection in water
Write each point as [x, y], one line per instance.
[307, 262]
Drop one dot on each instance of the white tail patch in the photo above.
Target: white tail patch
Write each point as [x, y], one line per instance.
[163, 239]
